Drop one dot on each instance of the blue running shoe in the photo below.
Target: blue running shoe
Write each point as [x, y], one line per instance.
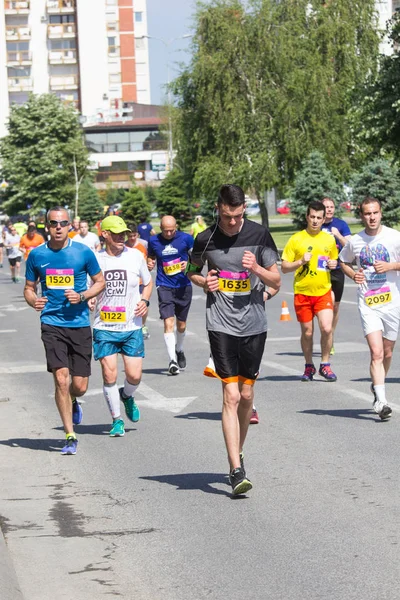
[77, 412]
[131, 408]
[117, 429]
[71, 446]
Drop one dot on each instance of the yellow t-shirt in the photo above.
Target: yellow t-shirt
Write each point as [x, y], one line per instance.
[313, 278]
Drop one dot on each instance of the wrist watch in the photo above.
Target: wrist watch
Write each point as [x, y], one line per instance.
[82, 298]
[269, 295]
[147, 303]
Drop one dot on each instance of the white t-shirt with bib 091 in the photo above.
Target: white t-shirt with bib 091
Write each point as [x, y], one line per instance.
[116, 305]
[380, 290]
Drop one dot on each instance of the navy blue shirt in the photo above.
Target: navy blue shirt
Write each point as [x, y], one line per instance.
[169, 255]
[343, 229]
[60, 270]
[144, 230]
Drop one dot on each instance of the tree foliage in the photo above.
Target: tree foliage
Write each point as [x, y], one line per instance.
[379, 179]
[171, 198]
[134, 205]
[44, 139]
[314, 181]
[90, 207]
[268, 84]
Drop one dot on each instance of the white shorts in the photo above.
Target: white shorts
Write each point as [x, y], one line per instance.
[375, 319]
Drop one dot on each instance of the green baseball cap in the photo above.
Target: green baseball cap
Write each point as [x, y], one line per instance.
[114, 224]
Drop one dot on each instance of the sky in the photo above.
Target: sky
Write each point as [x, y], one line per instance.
[167, 19]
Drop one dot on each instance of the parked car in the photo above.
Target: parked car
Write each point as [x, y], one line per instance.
[347, 206]
[283, 207]
[252, 208]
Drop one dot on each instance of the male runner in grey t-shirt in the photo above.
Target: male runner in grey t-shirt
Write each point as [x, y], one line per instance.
[241, 260]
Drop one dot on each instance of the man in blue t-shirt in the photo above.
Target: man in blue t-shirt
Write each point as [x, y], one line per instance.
[341, 231]
[171, 250]
[145, 230]
[62, 267]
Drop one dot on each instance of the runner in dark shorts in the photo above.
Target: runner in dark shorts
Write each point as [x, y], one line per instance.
[62, 267]
[241, 261]
[170, 249]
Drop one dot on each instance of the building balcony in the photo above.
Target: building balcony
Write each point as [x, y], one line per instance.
[20, 84]
[55, 7]
[20, 57]
[18, 32]
[62, 57]
[65, 82]
[16, 7]
[62, 31]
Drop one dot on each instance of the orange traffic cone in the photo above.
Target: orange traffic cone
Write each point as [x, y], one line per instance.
[285, 315]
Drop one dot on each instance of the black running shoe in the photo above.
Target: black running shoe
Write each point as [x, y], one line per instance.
[173, 368]
[181, 358]
[241, 456]
[239, 482]
[385, 412]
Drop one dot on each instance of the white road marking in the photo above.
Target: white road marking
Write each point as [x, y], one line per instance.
[8, 330]
[23, 369]
[152, 399]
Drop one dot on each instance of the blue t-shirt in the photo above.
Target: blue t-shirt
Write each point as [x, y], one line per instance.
[169, 254]
[60, 270]
[343, 229]
[144, 230]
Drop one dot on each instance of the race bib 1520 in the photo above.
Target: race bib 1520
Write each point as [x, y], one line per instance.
[60, 279]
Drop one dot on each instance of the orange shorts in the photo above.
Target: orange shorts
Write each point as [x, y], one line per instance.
[307, 307]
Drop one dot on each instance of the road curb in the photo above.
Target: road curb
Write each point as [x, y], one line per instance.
[9, 585]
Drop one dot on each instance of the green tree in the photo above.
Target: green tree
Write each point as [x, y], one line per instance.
[379, 179]
[39, 155]
[90, 207]
[379, 109]
[267, 85]
[134, 205]
[171, 198]
[313, 182]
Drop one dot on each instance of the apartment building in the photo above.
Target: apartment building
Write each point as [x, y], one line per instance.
[386, 9]
[91, 53]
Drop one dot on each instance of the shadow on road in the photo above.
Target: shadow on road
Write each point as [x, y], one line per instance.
[94, 429]
[34, 444]
[210, 416]
[156, 371]
[387, 379]
[194, 481]
[348, 413]
[280, 378]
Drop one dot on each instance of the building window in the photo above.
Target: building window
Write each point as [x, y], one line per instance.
[62, 44]
[112, 46]
[138, 17]
[111, 2]
[61, 19]
[114, 78]
[139, 43]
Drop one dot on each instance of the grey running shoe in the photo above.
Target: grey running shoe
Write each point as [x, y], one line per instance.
[181, 358]
[239, 482]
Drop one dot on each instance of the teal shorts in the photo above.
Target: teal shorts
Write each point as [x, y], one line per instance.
[107, 343]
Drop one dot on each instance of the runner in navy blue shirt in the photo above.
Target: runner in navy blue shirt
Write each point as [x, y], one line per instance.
[341, 231]
[170, 249]
[62, 267]
[145, 230]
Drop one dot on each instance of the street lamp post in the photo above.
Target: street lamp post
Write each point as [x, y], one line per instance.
[167, 44]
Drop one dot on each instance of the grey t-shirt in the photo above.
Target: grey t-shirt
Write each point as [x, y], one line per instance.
[237, 308]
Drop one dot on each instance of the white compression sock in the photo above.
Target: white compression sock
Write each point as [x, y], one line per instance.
[111, 394]
[380, 393]
[129, 389]
[179, 340]
[170, 343]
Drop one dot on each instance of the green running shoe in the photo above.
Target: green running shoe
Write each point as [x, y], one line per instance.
[117, 429]
[131, 408]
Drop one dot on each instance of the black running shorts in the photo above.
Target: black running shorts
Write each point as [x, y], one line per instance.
[69, 347]
[236, 358]
[337, 280]
[14, 261]
[174, 302]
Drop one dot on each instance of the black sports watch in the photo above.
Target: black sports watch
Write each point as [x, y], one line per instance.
[82, 298]
[147, 303]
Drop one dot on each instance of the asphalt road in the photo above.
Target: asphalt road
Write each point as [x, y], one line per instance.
[150, 517]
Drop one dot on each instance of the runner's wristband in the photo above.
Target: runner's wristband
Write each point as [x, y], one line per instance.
[269, 296]
[147, 303]
[191, 268]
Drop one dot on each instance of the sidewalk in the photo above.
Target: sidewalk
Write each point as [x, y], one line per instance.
[9, 586]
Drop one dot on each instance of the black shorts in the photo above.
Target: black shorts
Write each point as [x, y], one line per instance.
[1, 244]
[69, 347]
[236, 358]
[14, 261]
[174, 302]
[337, 280]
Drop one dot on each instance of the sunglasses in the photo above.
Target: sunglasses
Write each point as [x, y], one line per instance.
[61, 223]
